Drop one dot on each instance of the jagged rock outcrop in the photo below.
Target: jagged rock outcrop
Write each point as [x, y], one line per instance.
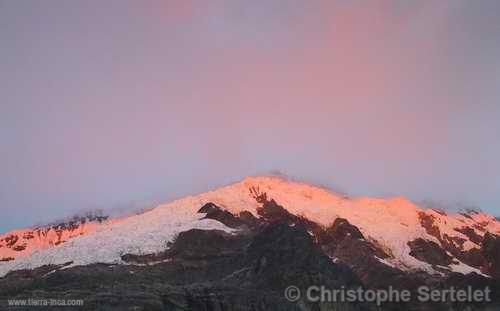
[215, 212]
[430, 252]
[23, 242]
[481, 257]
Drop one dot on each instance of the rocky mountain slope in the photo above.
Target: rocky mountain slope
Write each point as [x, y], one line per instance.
[238, 247]
[23, 242]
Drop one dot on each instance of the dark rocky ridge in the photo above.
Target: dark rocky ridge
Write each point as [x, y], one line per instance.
[429, 252]
[471, 234]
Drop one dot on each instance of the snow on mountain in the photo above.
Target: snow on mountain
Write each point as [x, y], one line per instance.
[391, 223]
[23, 242]
[139, 234]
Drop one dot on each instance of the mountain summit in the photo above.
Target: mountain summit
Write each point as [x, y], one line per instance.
[410, 238]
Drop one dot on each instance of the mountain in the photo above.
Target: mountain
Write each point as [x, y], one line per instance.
[23, 242]
[260, 234]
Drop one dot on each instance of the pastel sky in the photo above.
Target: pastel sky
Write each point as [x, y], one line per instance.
[110, 104]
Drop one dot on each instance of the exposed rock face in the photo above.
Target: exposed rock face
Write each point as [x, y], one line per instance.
[340, 230]
[491, 251]
[429, 252]
[479, 258]
[471, 234]
[215, 212]
[20, 243]
[345, 244]
[11, 240]
[19, 248]
[198, 244]
[427, 221]
[273, 212]
[249, 219]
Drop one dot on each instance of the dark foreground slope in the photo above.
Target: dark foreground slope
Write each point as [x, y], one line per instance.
[208, 270]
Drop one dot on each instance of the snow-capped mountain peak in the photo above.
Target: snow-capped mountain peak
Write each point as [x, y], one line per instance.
[396, 225]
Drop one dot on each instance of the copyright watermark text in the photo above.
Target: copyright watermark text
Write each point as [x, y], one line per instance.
[380, 296]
